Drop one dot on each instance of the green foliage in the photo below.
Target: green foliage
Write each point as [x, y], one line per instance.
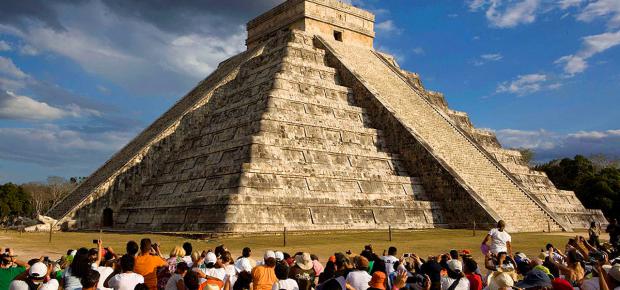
[14, 201]
[596, 186]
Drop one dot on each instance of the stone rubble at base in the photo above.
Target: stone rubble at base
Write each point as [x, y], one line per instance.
[311, 129]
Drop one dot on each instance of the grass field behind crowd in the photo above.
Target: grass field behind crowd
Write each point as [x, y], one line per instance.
[323, 244]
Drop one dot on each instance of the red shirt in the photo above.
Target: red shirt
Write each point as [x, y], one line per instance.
[475, 282]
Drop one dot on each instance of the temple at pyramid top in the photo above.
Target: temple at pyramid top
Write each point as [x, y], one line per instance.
[328, 18]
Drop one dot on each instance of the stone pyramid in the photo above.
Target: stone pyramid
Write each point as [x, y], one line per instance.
[312, 129]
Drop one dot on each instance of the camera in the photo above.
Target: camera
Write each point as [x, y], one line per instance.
[95, 241]
[407, 255]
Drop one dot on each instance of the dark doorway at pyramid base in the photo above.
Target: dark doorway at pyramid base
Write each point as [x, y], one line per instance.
[107, 219]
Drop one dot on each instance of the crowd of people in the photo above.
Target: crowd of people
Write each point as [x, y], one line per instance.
[583, 263]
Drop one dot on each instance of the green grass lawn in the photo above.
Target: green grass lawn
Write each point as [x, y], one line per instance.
[323, 244]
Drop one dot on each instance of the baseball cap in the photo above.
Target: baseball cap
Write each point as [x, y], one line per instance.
[269, 254]
[455, 265]
[38, 270]
[211, 258]
[243, 264]
[279, 256]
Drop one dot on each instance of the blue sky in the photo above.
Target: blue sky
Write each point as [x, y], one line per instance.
[79, 79]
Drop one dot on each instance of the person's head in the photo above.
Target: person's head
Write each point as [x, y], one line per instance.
[210, 260]
[314, 257]
[182, 268]
[281, 271]
[93, 254]
[501, 225]
[226, 258]
[90, 279]
[368, 248]
[270, 262]
[502, 280]
[269, 254]
[342, 261]
[196, 257]
[141, 286]
[455, 268]
[81, 263]
[177, 252]
[572, 257]
[593, 224]
[549, 246]
[127, 263]
[5, 260]
[37, 272]
[392, 251]
[246, 252]
[145, 246]
[132, 248]
[191, 280]
[219, 250]
[377, 281]
[361, 263]
[469, 266]
[454, 254]
[378, 265]
[187, 246]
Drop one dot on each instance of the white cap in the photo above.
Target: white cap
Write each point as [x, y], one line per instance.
[38, 270]
[269, 254]
[279, 256]
[211, 258]
[455, 265]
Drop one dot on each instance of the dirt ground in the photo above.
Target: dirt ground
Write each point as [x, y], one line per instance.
[323, 244]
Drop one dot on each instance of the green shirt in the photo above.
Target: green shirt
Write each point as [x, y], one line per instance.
[8, 274]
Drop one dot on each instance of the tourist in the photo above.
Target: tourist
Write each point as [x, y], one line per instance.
[455, 280]
[10, 267]
[214, 273]
[535, 279]
[316, 265]
[469, 268]
[500, 281]
[377, 281]
[229, 268]
[284, 281]
[187, 246]
[264, 276]
[593, 235]
[176, 256]
[132, 248]
[125, 278]
[79, 267]
[390, 259]
[500, 239]
[245, 256]
[244, 275]
[38, 277]
[191, 281]
[303, 271]
[572, 270]
[89, 280]
[176, 281]
[432, 269]
[359, 278]
[148, 261]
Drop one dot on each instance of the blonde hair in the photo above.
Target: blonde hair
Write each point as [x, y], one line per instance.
[177, 252]
[195, 257]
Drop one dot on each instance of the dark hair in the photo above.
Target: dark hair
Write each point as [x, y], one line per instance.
[378, 266]
[145, 245]
[572, 256]
[341, 260]
[270, 262]
[69, 252]
[246, 252]
[392, 251]
[227, 257]
[549, 246]
[469, 265]
[281, 271]
[187, 246]
[132, 248]
[314, 257]
[90, 278]
[191, 281]
[141, 286]
[80, 264]
[454, 254]
[287, 255]
[592, 224]
[182, 267]
[328, 272]
[127, 263]
[219, 250]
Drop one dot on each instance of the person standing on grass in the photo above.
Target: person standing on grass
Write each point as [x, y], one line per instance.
[148, 262]
[500, 239]
[10, 267]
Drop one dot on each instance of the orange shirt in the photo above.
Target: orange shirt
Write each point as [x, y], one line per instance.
[146, 265]
[263, 277]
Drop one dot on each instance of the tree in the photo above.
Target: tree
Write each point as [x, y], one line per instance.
[526, 154]
[14, 201]
[45, 195]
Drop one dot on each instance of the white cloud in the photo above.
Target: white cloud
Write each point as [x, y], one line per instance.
[492, 56]
[565, 4]
[13, 106]
[5, 46]
[602, 8]
[591, 45]
[550, 145]
[52, 145]
[418, 50]
[504, 15]
[387, 26]
[9, 69]
[523, 84]
[28, 50]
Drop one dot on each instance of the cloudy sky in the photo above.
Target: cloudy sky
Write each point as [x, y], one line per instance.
[79, 79]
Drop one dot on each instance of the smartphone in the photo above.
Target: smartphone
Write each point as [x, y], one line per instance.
[407, 255]
[95, 241]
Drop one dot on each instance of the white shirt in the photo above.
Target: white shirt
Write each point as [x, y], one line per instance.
[231, 273]
[71, 282]
[22, 285]
[499, 241]
[389, 263]
[125, 281]
[446, 282]
[172, 282]
[104, 272]
[288, 284]
[188, 261]
[359, 279]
